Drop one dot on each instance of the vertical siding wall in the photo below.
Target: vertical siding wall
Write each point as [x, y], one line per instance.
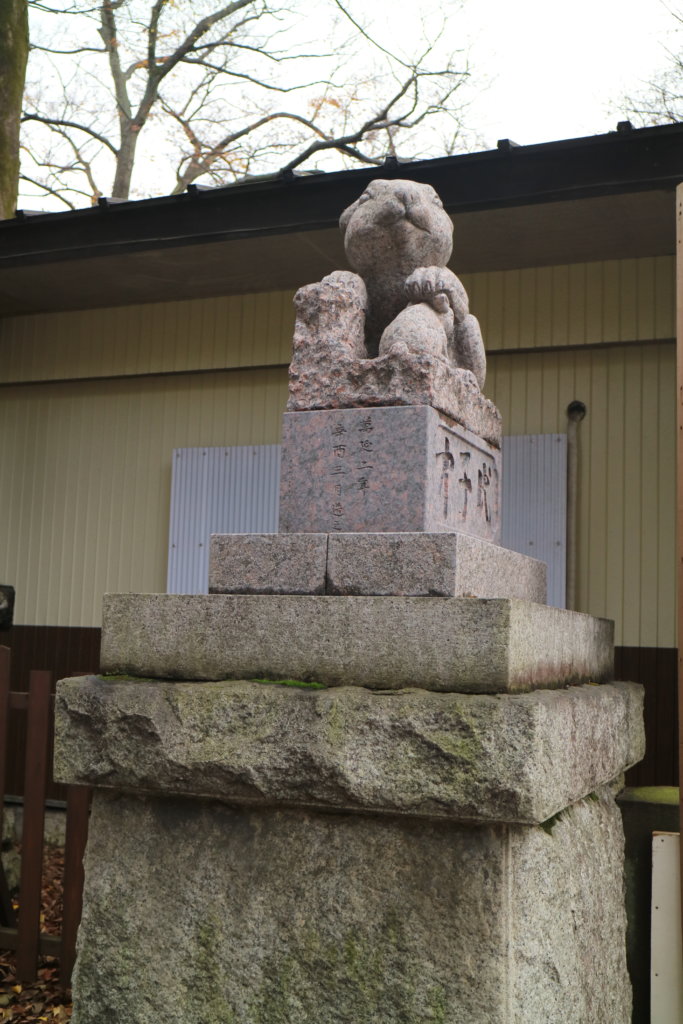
[85, 465]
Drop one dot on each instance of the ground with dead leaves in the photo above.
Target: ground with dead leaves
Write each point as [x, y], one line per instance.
[44, 999]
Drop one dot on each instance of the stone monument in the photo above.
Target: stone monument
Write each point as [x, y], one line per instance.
[369, 778]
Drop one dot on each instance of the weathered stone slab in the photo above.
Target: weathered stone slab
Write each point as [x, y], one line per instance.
[467, 757]
[385, 643]
[268, 563]
[390, 564]
[431, 565]
[387, 470]
[197, 911]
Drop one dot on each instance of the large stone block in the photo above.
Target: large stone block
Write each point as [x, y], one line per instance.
[387, 470]
[385, 643]
[197, 911]
[510, 758]
[431, 565]
[389, 564]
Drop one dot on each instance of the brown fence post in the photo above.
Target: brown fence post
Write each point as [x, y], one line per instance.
[7, 916]
[35, 787]
[77, 812]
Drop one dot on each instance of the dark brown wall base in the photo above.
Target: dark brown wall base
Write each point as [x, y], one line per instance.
[68, 650]
[63, 651]
[657, 669]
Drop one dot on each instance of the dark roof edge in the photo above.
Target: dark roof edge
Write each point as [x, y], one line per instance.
[642, 159]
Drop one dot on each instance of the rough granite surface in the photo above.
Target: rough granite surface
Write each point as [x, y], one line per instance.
[507, 758]
[329, 379]
[387, 471]
[384, 643]
[267, 563]
[198, 912]
[431, 565]
[382, 564]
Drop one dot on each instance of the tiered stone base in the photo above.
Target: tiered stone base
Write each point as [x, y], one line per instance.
[270, 855]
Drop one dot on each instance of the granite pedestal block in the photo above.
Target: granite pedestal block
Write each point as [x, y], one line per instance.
[480, 758]
[384, 643]
[388, 564]
[387, 470]
[219, 906]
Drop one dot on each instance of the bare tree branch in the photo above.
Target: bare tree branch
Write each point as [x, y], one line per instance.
[80, 49]
[188, 77]
[58, 122]
[49, 191]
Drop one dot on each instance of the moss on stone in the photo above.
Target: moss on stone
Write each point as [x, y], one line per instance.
[208, 1003]
[362, 972]
[549, 824]
[113, 678]
[300, 683]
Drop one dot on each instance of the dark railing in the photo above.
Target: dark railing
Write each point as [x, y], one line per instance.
[24, 934]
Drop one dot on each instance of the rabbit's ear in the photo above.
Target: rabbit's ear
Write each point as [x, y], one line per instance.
[347, 215]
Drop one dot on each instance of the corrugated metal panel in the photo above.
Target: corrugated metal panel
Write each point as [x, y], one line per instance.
[534, 505]
[616, 300]
[626, 487]
[164, 337]
[217, 490]
[85, 480]
[576, 304]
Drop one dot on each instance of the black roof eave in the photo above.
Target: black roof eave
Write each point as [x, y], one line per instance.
[643, 159]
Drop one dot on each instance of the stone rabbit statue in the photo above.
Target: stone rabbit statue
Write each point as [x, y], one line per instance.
[403, 297]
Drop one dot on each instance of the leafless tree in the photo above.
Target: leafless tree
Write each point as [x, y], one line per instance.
[220, 90]
[660, 101]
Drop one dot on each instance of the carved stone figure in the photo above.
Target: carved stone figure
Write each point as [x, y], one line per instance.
[397, 329]
[398, 237]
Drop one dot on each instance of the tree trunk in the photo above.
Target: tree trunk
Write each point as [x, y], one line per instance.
[125, 160]
[13, 56]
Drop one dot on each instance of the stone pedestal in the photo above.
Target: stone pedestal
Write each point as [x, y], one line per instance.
[262, 854]
[401, 469]
[369, 778]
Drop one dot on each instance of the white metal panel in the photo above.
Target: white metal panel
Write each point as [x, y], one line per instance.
[666, 975]
[534, 504]
[217, 490]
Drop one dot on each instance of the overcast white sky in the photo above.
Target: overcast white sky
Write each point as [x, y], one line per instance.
[557, 65]
[541, 70]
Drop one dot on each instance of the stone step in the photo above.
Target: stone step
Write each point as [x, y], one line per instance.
[372, 564]
[467, 645]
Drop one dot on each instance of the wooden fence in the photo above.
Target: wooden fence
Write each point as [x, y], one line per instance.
[24, 935]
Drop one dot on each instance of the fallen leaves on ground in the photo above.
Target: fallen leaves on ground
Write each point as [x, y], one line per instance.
[41, 1000]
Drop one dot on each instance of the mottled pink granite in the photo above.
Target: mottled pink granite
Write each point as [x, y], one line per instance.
[387, 470]
[324, 378]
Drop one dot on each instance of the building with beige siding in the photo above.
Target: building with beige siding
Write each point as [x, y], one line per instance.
[133, 329]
